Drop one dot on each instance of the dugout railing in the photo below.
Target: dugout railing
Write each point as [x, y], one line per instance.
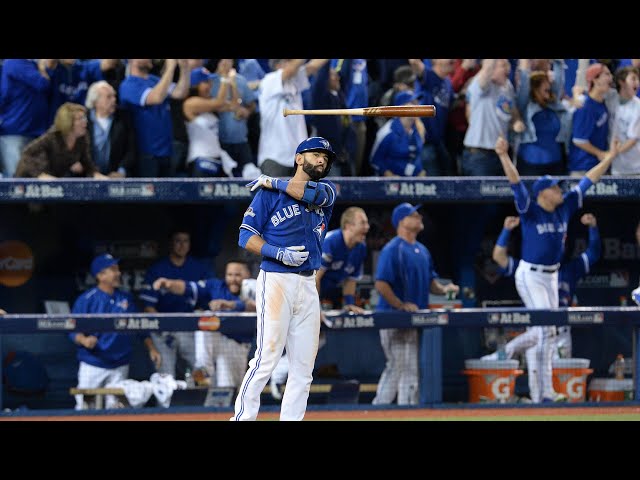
[429, 322]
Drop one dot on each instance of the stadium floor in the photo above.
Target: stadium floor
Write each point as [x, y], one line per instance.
[612, 413]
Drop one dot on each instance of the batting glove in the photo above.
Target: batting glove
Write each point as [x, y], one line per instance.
[268, 182]
[636, 295]
[292, 256]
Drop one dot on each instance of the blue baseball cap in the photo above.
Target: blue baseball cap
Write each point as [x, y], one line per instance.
[101, 262]
[201, 74]
[406, 96]
[543, 182]
[403, 210]
[315, 144]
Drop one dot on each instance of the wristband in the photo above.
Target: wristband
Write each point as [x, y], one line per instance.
[269, 250]
[504, 237]
[349, 300]
[279, 184]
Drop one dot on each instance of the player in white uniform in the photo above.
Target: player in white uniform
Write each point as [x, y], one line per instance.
[286, 224]
[544, 230]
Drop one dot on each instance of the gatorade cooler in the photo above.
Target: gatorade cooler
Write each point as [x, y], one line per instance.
[491, 381]
[570, 377]
[610, 390]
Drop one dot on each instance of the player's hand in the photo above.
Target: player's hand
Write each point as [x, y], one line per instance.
[511, 222]
[220, 304]
[89, 342]
[292, 256]
[408, 307]
[451, 290]
[155, 357]
[2, 312]
[161, 284]
[636, 295]
[589, 220]
[263, 181]
[353, 309]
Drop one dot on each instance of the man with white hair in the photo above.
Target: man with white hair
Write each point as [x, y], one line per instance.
[113, 144]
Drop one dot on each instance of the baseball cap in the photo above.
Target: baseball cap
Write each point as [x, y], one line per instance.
[543, 182]
[313, 144]
[593, 72]
[201, 74]
[403, 210]
[406, 96]
[101, 262]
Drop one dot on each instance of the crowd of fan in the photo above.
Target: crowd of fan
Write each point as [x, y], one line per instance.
[112, 118]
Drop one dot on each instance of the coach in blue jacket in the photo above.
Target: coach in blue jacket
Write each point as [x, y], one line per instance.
[104, 357]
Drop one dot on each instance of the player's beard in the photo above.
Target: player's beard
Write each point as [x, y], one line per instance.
[312, 170]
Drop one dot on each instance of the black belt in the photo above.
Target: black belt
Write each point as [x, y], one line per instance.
[306, 273]
[480, 150]
[544, 270]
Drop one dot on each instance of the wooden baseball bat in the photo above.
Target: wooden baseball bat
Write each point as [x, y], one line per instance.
[399, 111]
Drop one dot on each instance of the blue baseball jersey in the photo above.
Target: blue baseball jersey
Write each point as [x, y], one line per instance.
[590, 124]
[544, 233]
[24, 105]
[200, 293]
[396, 150]
[439, 92]
[191, 270]
[113, 349]
[283, 221]
[354, 80]
[71, 83]
[408, 269]
[153, 126]
[339, 262]
[571, 271]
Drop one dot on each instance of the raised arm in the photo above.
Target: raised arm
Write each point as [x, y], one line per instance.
[319, 194]
[502, 149]
[500, 255]
[181, 89]
[601, 168]
[158, 94]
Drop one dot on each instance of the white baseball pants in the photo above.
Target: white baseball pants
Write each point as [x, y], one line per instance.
[539, 290]
[288, 314]
[400, 374]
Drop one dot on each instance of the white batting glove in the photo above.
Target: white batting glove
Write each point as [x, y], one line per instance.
[263, 181]
[292, 256]
[636, 295]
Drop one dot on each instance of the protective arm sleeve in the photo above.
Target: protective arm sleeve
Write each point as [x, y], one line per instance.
[503, 239]
[244, 237]
[593, 249]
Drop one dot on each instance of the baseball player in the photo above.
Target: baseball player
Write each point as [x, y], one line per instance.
[227, 356]
[104, 357]
[570, 272]
[343, 253]
[544, 231]
[178, 264]
[404, 277]
[286, 224]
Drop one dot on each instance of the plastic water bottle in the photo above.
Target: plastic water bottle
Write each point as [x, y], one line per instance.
[618, 367]
[189, 378]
